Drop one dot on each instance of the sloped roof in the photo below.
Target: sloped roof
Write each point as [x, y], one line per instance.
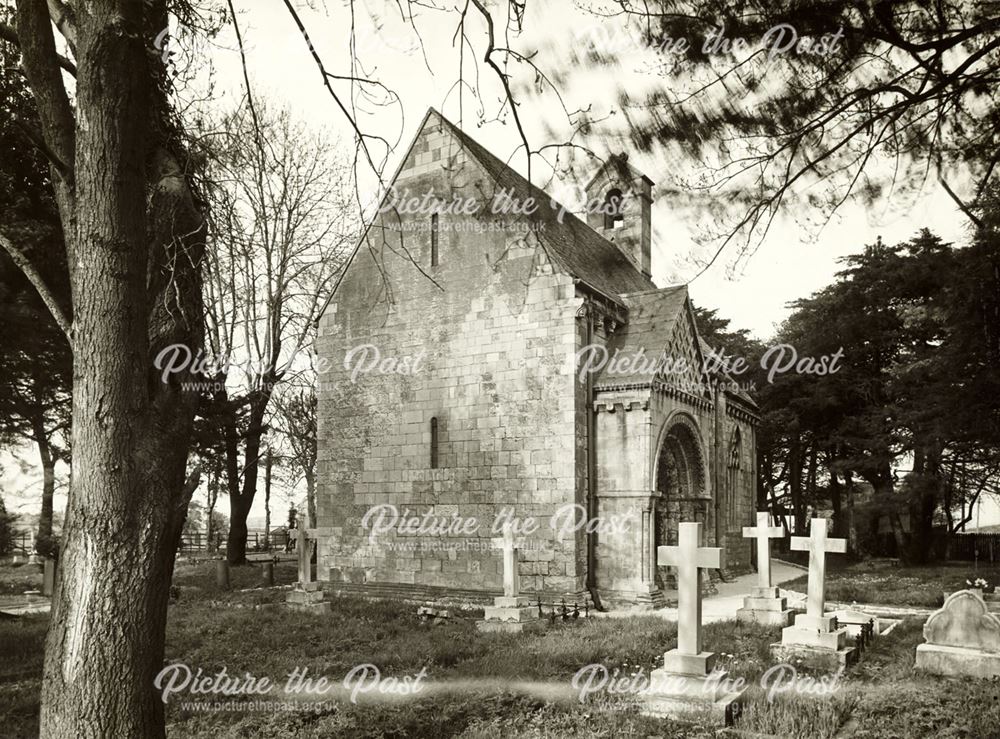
[576, 247]
[652, 317]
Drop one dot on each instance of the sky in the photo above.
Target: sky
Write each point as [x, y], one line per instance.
[792, 261]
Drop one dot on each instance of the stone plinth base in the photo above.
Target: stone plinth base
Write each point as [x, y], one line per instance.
[308, 599]
[678, 663]
[510, 615]
[764, 606]
[816, 642]
[705, 697]
[814, 638]
[814, 658]
[765, 616]
[646, 598]
[510, 627]
[942, 660]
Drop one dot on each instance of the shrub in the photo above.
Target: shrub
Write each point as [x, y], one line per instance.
[7, 521]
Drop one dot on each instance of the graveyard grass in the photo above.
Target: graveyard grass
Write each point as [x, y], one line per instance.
[882, 696]
[886, 582]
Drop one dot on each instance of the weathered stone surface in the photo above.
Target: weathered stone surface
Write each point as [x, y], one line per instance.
[810, 622]
[814, 658]
[763, 532]
[765, 604]
[708, 698]
[494, 613]
[690, 558]
[817, 544]
[490, 332]
[942, 660]
[677, 662]
[765, 617]
[687, 686]
[963, 638]
[300, 597]
[504, 601]
[797, 636]
[964, 621]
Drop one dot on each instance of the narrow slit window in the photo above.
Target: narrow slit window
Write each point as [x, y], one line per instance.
[434, 239]
[434, 443]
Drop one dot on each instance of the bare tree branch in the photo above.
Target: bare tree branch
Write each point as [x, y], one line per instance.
[35, 277]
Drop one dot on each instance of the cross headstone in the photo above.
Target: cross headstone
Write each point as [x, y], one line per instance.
[304, 538]
[763, 532]
[817, 544]
[690, 559]
[511, 580]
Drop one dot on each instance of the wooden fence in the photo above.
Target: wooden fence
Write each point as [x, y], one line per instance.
[256, 542]
[969, 547]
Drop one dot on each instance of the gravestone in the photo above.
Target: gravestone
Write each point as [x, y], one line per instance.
[688, 685]
[816, 640]
[307, 594]
[962, 638]
[267, 575]
[222, 574]
[510, 612]
[763, 605]
[49, 577]
[34, 558]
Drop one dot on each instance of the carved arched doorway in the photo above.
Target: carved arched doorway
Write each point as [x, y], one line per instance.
[680, 486]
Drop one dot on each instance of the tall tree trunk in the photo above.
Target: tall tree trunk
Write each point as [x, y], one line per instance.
[267, 498]
[213, 496]
[850, 525]
[795, 469]
[44, 543]
[135, 289]
[241, 503]
[836, 503]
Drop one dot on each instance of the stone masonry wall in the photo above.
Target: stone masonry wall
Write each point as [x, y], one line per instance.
[488, 335]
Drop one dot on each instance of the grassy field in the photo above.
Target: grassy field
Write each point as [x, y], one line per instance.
[886, 582]
[500, 685]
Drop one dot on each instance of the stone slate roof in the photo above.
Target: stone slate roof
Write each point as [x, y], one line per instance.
[587, 256]
[652, 317]
[576, 247]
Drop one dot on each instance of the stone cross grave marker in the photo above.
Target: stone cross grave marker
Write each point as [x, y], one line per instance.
[688, 686]
[509, 612]
[306, 540]
[511, 578]
[763, 532]
[690, 559]
[817, 544]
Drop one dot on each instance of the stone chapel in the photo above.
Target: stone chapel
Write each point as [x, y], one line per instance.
[461, 379]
